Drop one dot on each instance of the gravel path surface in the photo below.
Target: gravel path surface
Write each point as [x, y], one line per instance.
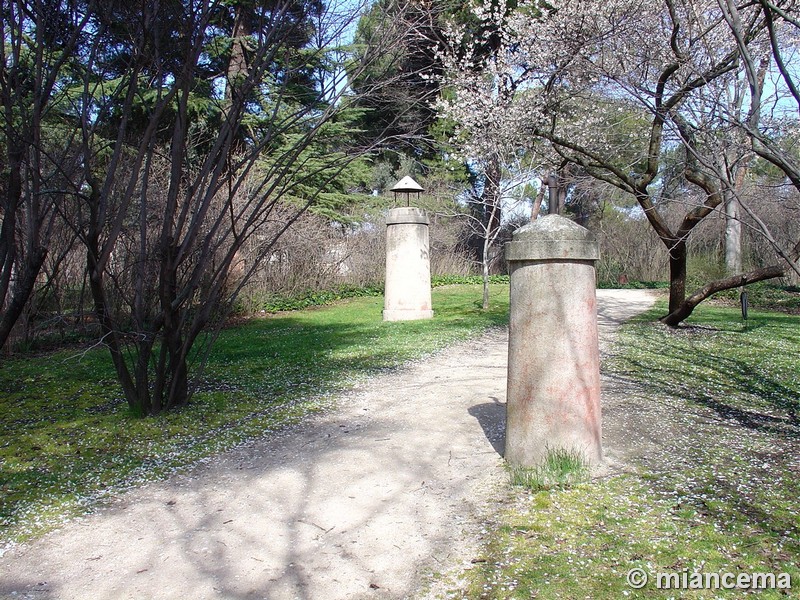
[370, 500]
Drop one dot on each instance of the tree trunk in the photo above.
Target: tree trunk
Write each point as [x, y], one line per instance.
[677, 274]
[176, 387]
[8, 249]
[178, 391]
[10, 293]
[108, 327]
[486, 273]
[492, 216]
[142, 377]
[111, 335]
[21, 292]
[237, 64]
[491, 199]
[537, 203]
[733, 236]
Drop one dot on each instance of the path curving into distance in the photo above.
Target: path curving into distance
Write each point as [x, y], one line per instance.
[367, 501]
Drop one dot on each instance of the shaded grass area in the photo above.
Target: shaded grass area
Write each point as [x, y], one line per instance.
[299, 300]
[67, 438]
[761, 296]
[718, 492]
[767, 296]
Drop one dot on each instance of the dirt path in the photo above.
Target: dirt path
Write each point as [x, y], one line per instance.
[367, 501]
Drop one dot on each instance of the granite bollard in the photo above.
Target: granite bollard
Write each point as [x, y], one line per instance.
[408, 266]
[553, 397]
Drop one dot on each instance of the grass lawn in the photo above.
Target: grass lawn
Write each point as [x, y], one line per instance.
[721, 493]
[67, 438]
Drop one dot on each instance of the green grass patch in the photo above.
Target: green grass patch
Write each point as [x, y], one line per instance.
[273, 303]
[67, 438]
[440, 280]
[718, 493]
[561, 468]
[581, 542]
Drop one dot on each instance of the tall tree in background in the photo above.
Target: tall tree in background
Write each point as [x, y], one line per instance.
[402, 113]
[39, 40]
[774, 100]
[195, 127]
[474, 39]
[565, 69]
[418, 60]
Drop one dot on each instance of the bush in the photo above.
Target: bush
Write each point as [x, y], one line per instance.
[634, 285]
[440, 280]
[254, 302]
[306, 298]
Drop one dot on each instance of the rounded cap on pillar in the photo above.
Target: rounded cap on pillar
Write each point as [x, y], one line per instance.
[552, 237]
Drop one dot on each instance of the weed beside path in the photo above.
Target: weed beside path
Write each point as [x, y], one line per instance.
[67, 438]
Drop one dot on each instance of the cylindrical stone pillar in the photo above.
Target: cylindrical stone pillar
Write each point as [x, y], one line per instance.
[553, 398]
[408, 266]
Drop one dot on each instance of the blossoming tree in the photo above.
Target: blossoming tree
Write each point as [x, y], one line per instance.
[615, 86]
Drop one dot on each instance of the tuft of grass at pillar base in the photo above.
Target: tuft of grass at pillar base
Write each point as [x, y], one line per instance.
[560, 469]
[718, 493]
[67, 439]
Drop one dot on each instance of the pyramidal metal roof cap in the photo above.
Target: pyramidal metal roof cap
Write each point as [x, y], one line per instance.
[406, 184]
